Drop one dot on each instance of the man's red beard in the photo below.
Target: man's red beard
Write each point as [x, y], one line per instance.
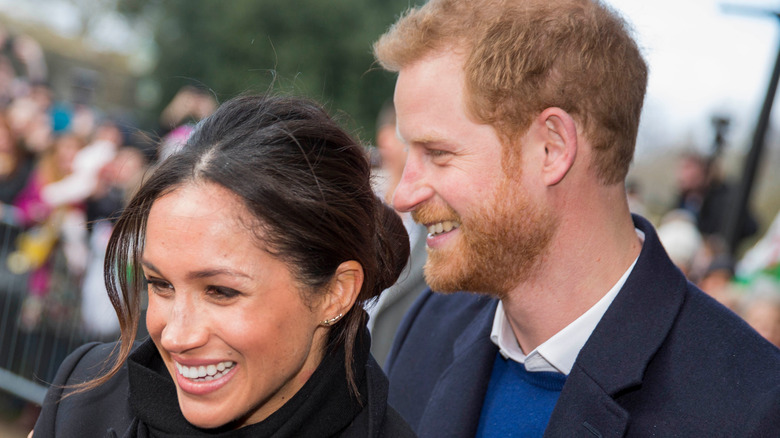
[498, 248]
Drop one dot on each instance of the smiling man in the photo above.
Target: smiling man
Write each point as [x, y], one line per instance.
[559, 313]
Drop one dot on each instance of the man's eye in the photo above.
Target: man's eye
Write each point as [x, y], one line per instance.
[437, 153]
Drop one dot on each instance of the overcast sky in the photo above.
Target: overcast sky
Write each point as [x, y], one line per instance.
[704, 60]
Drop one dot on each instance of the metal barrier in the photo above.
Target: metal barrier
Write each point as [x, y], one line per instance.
[35, 334]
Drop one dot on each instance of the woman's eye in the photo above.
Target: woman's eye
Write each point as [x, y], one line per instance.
[222, 292]
[158, 286]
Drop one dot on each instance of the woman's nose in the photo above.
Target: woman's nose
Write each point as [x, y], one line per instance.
[184, 330]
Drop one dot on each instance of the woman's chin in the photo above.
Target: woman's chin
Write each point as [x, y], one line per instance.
[205, 421]
[204, 415]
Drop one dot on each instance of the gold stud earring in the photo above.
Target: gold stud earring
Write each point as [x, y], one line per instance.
[332, 321]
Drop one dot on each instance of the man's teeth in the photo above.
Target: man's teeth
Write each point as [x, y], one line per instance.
[442, 227]
[205, 373]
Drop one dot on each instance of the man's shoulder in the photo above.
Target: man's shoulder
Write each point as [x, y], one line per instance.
[441, 334]
[439, 324]
[713, 367]
[728, 341]
[440, 318]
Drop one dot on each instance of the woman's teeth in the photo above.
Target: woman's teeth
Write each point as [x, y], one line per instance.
[442, 227]
[205, 373]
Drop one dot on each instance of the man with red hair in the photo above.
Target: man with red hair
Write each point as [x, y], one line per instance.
[520, 119]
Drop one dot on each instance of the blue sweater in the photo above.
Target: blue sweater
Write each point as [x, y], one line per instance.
[518, 403]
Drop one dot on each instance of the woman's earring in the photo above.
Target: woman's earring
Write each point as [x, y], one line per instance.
[332, 320]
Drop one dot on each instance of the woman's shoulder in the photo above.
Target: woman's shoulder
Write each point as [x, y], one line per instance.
[88, 362]
[378, 419]
[89, 355]
[86, 413]
[395, 426]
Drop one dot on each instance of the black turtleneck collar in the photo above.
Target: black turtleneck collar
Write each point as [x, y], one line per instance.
[323, 407]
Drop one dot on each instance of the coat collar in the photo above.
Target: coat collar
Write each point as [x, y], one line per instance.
[638, 321]
[618, 352]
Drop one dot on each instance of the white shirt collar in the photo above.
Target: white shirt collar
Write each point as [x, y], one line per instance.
[558, 353]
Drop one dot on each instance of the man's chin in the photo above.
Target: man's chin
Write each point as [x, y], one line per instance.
[452, 274]
[442, 273]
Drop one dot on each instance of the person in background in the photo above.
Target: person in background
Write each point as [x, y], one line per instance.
[83, 181]
[31, 124]
[257, 245]
[386, 313]
[22, 65]
[178, 118]
[636, 203]
[117, 181]
[47, 227]
[761, 309]
[681, 240]
[15, 168]
[758, 274]
[708, 197]
[560, 313]
[763, 258]
[718, 281]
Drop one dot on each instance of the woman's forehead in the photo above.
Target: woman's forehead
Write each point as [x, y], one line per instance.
[201, 210]
[200, 199]
[201, 225]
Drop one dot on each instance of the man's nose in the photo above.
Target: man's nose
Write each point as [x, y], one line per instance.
[413, 189]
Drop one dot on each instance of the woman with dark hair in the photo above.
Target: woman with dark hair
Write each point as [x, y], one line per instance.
[259, 242]
[15, 165]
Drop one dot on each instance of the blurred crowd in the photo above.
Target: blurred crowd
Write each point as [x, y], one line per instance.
[67, 168]
[694, 233]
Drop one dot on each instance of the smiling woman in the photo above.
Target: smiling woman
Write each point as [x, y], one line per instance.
[257, 245]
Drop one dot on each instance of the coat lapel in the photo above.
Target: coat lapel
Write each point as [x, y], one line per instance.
[456, 401]
[585, 410]
[616, 355]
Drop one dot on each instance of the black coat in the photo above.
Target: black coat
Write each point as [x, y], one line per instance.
[121, 409]
[665, 360]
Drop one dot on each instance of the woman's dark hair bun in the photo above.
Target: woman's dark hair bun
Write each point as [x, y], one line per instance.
[392, 246]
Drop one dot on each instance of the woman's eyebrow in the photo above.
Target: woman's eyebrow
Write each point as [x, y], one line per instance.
[150, 266]
[204, 273]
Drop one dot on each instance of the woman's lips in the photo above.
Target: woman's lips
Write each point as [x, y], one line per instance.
[204, 379]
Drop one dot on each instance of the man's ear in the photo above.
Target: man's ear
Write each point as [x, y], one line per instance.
[559, 133]
[344, 290]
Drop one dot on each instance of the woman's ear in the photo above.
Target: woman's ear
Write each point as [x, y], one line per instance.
[559, 134]
[344, 290]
